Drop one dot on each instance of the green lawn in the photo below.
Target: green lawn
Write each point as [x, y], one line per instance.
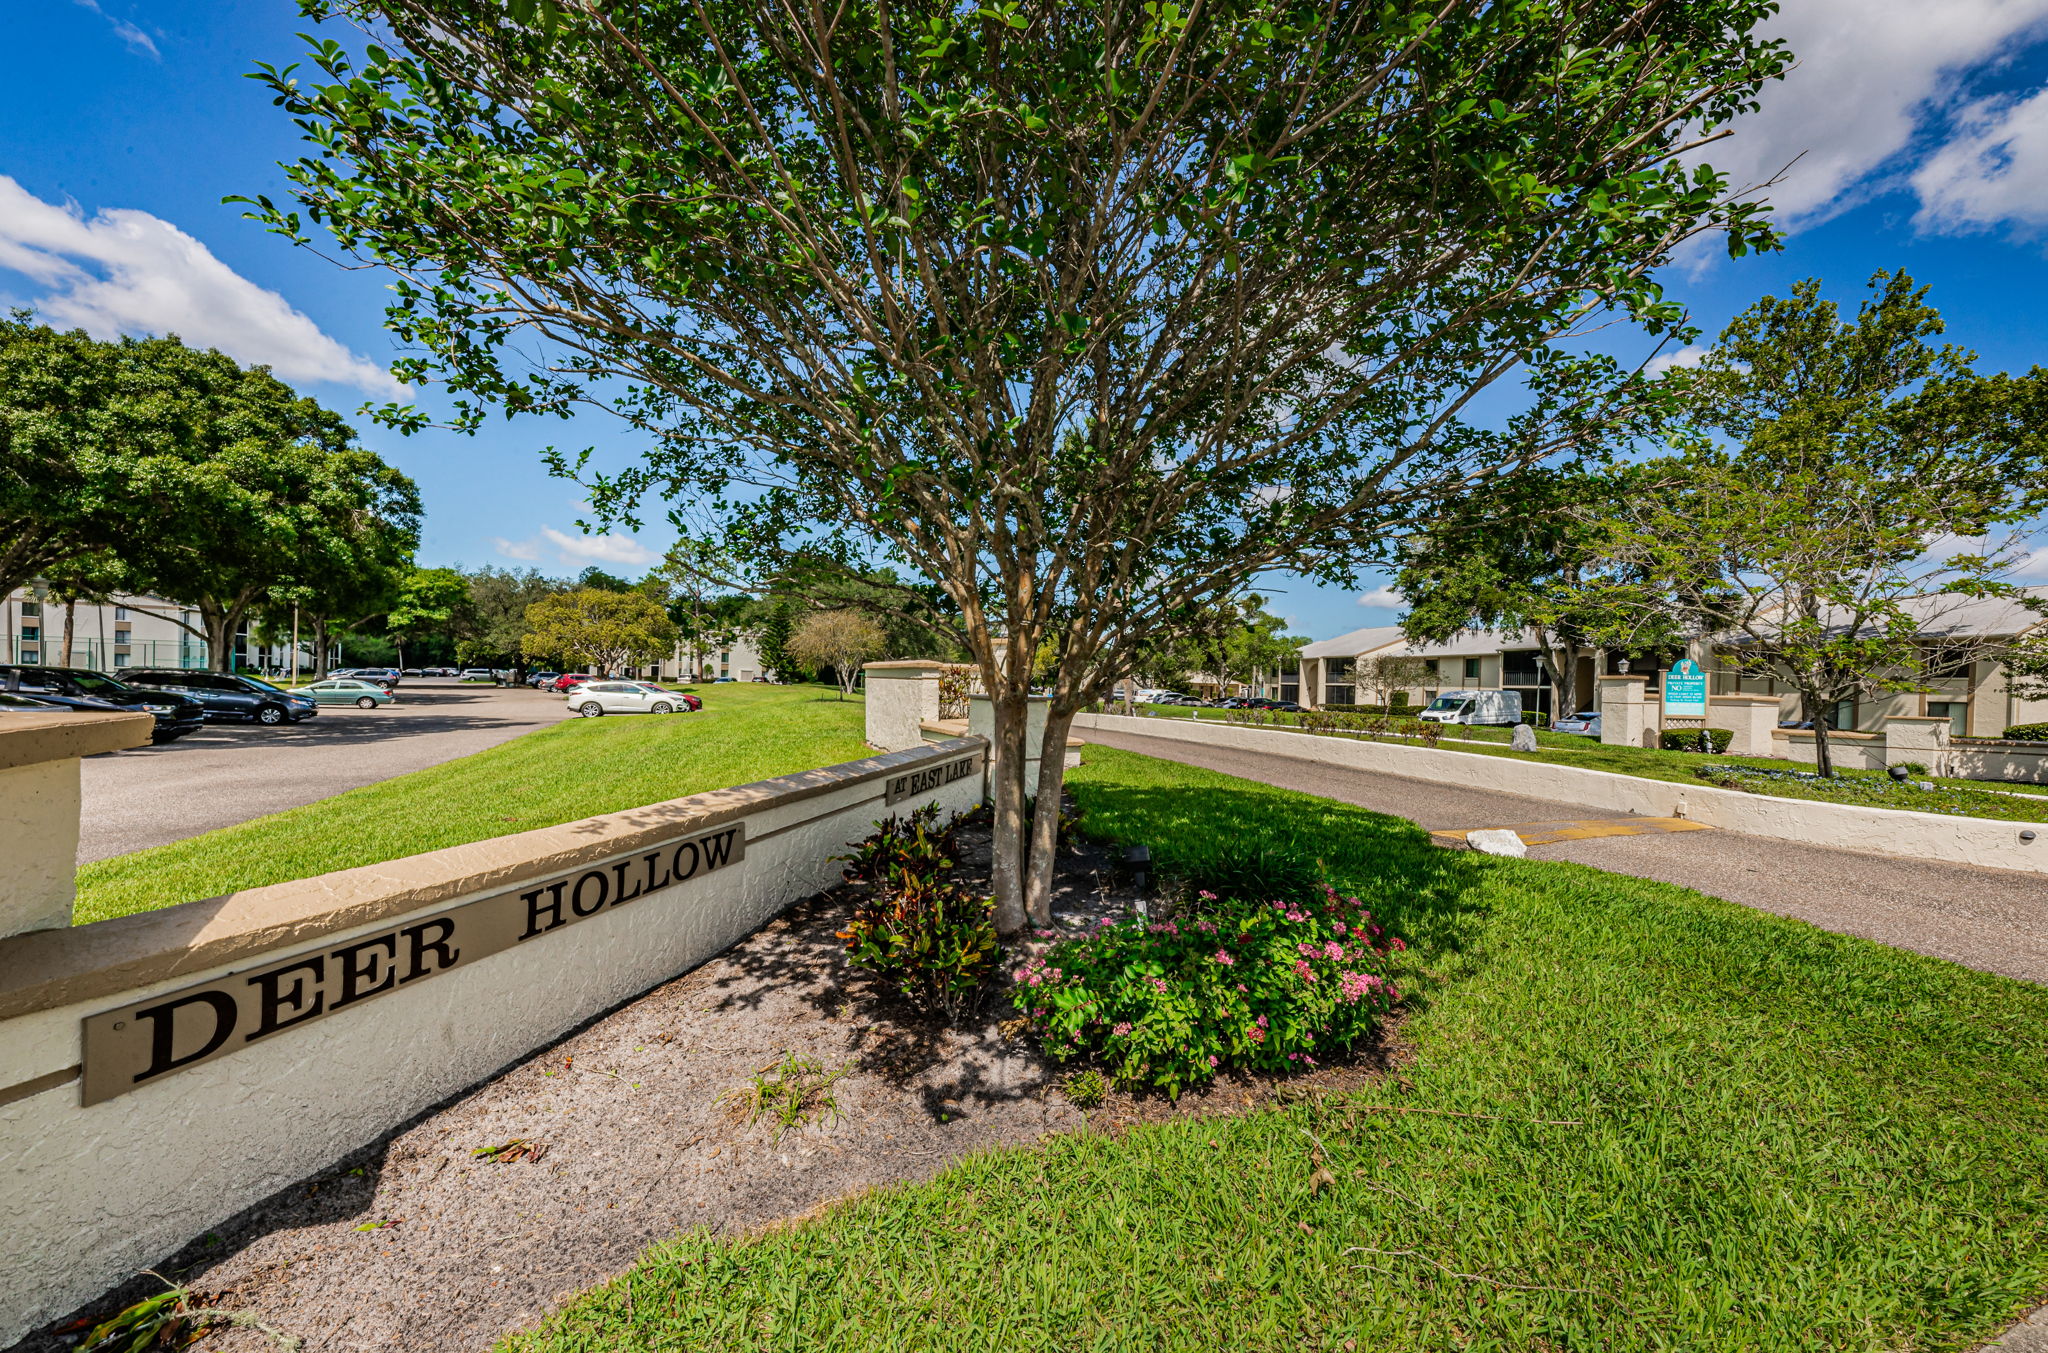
[555, 774]
[1970, 798]
[1637, 1118]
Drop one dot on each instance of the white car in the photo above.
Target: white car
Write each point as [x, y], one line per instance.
[593, 698]
[479, 674]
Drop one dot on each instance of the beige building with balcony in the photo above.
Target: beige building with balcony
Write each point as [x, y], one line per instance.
[1970, 693]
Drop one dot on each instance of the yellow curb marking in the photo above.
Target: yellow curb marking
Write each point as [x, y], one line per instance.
[1580, 829]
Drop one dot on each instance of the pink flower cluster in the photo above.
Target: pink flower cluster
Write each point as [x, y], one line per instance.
[1037, 972]
[1223, 957]
[1357, 985]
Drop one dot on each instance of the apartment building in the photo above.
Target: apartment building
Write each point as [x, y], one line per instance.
[1970, 691]
[739, 659]
[127, 630]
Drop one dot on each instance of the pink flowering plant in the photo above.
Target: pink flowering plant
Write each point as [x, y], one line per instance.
[1268, 986]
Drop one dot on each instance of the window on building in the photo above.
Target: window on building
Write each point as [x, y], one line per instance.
[31, 633]
[122, 636]
[724, 658]
[1957, 712]
[29, 608]
[29, 658]
[1843, 717]
[121, 613]
[1471, 669]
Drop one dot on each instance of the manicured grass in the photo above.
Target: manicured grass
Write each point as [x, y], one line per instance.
[1956, 797]
[555, 774]
[1636, 1118]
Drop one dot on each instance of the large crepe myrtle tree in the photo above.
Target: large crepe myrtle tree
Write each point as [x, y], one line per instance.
[1090, 314]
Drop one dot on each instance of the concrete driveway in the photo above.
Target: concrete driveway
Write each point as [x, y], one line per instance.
[1993, 919]
[230, 772]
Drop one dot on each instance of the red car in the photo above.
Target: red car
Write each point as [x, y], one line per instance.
[569, 681]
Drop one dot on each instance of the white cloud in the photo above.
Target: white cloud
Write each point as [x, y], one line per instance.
[610, 548]
[1689, 355]
[137, 40]
[1869, 75]
[1995, 170]
[127, 272]
[527, 550]
[1382, 596]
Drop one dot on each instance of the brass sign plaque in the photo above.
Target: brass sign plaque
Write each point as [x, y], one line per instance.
[138, 1043]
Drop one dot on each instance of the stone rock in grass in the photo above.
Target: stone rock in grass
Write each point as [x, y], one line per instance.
[1496, 841]
[1525, 738]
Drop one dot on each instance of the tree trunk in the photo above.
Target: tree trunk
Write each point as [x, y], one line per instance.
[1012, 710]
[220, 636]
[1823, 755]
[319, 648]
[1045, 817]
[70, 628]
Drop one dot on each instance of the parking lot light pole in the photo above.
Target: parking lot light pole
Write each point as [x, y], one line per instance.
[295, 644]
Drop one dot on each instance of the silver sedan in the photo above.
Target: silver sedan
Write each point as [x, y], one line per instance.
[594, 698]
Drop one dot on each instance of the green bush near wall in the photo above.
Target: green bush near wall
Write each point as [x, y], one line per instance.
[1688, 739]
[2026, 732]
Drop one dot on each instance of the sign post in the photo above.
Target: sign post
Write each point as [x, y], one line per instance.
[1685, 691]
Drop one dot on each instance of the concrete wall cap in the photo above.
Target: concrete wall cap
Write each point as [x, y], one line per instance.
[44, 969]
[1917, 718]
[30, 739]
[1744, 698]
[1806, 734]
[907, 664]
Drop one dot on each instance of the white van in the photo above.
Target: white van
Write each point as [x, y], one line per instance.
[1481, 707]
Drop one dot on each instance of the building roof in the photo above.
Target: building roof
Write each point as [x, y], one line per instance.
[1350, 645]
[1475, 644]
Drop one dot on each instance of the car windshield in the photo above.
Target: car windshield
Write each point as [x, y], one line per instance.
[1449, 702]
[92, 683]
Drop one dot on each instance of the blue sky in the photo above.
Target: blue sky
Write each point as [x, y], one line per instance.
[1921, 131]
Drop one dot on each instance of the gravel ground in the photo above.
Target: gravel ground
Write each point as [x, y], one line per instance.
[1992, 919]
[230, 772]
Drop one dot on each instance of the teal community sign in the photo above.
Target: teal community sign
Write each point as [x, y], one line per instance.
[1685, 691]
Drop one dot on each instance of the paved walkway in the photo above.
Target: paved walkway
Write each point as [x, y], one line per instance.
[230, 772]
[1993, 919]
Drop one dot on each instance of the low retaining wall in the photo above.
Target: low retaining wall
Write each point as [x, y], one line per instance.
[1876, 831]
[161, 1072]
[2023, 763]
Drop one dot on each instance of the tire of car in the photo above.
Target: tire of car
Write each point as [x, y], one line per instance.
[590, 710]
[661, 708]
[366, 703]
[270, 716]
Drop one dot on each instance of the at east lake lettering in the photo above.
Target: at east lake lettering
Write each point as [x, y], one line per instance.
[138, 1043]
[924, 781]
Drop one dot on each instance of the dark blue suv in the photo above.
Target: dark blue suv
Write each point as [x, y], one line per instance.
[227, 696]
[96, 692]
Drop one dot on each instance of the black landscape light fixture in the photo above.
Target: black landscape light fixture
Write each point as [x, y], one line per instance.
[1898, 773]
[1139, 860]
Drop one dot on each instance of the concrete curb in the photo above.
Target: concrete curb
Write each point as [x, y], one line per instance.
[1876, 831]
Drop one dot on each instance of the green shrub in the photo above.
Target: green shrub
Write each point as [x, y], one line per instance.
[1270, 986]
[1712, 741]
[926, 938]
[2026, 732]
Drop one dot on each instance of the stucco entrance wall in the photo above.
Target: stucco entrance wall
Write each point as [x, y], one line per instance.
[104, 1171]
[1877, 831]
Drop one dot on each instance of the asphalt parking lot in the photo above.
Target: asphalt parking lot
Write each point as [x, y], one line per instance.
[230, 772]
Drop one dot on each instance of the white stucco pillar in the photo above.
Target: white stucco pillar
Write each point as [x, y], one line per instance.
[1917, 738]
[1751, 718]
[981, 722]
[1626, 719]
[39, 806]
[901, 698]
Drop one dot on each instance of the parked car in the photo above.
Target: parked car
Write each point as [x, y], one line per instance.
[1474, 707]
[538, 680]
[412, 672]
[389, 675]
[21, 704]
[1283, 706]
[225, 695]
[594, 698]
[1587, 725]
[348, 691]
[96, 692]
[479, 674]
[569, 681]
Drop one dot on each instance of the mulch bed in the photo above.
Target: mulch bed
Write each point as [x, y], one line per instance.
[616, 1137]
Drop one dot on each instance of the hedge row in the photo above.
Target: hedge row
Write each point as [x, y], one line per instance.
[1688, 739]
[2027, 732]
